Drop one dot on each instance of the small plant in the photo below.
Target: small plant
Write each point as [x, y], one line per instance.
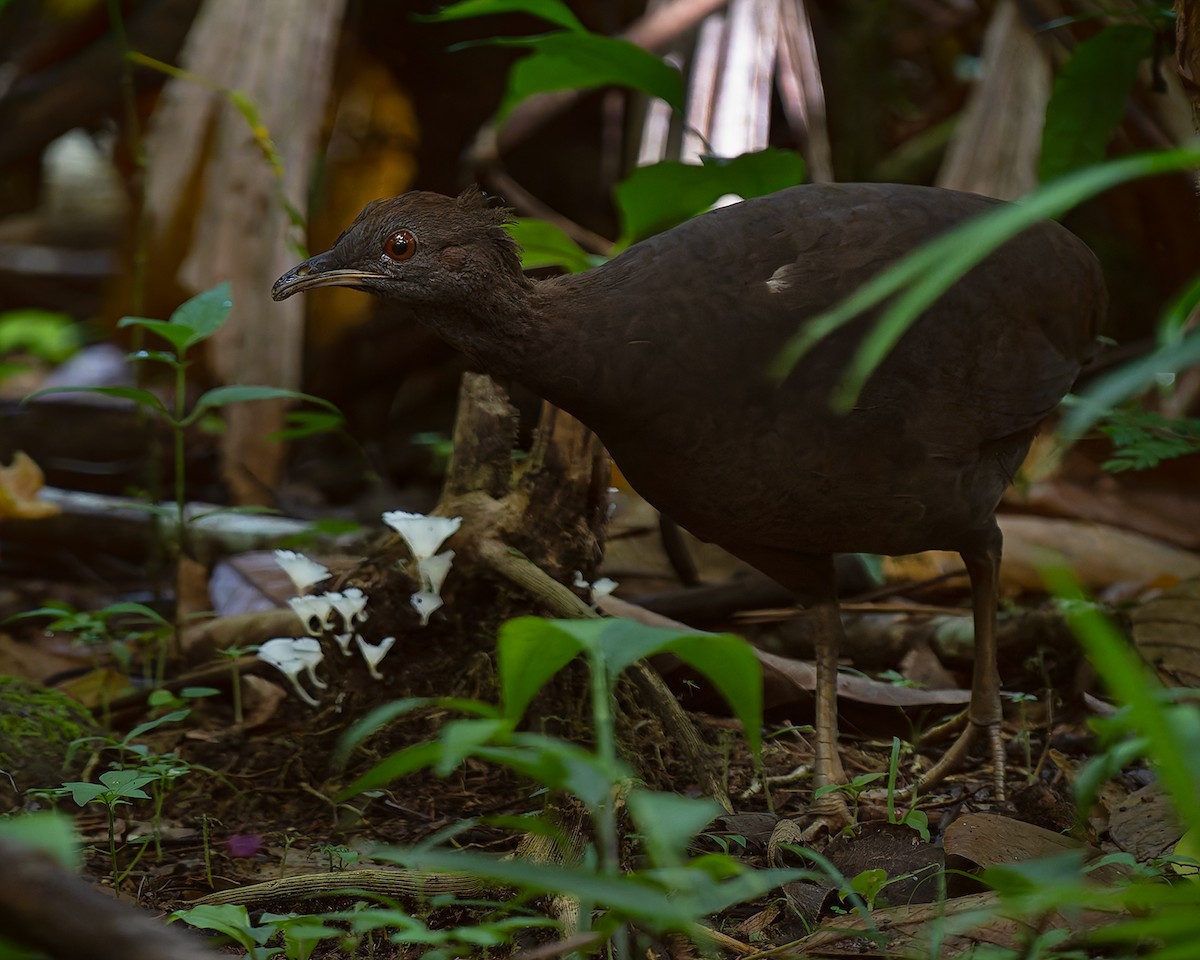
[233, 654]
[673, 891]
[852, 791]
[121, 628]
[338, 857]
[1143, 438]
[116, 787]
[190, 325]
[300, 933]
[916, 819]
[160, 769]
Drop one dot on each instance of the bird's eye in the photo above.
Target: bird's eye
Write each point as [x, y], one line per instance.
[400, 246]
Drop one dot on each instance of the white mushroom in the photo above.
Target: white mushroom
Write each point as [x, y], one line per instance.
[424, 535]
[293, 656]
[302, 571]
[373, 654]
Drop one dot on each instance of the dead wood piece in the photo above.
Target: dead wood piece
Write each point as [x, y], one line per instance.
[998, 140]
[44, 906]
[122, 526]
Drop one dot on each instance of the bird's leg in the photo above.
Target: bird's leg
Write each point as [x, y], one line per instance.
[813, 579]
[827, 766]
[982, 558]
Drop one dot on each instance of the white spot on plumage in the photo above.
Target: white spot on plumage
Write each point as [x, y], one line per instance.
[781, 279]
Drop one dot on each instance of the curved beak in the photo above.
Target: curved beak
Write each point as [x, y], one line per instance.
[317, 272]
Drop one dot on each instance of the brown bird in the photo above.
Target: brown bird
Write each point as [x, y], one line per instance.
[663, 352]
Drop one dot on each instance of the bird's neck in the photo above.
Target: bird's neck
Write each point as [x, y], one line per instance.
[547, 335]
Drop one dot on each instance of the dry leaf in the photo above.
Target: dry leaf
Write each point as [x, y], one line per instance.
[19, 486]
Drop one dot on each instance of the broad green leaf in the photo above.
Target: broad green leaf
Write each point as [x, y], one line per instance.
[177, 336]
[868, 884]
[729, 664]
[173, 717]
[306, 423]
[137, 609]
[585, 61]
[532, 650]
[529, 651]
[660, 901]
[917, 280]
[372, 723]
[459, 739]
[204, 314]
[725, 660]
[127, 783]
[545, 245]
[84, 793]
[416, 757]
[1089, 97]
[230, 919]
[550, 10]
[560, 766]
[225, 396]
[669, 823]
[660, 196]
[143, 398]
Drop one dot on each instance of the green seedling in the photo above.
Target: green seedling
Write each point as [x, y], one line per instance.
[116, 787]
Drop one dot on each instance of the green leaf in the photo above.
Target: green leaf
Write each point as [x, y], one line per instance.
[178, 337]
[1089, 96]
[372, 723]
[669, 823]
[173, 717]
[230, 919]
[585, 61]
[545, 245]
[529, 651]
[727, 661]
[632, 896]
[402, 762]
[550, 10]
[127, 783]
[660, 196]
[1189, 847]
[204, 314]
[143, 398]
[729, 664]
[306, 423]
[236, 393]
[560, 766]
[137, 609]
[532, 650]
[460, 739]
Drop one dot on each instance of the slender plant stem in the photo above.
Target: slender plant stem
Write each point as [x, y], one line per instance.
[112, 848]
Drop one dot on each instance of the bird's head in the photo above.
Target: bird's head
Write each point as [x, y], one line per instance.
[419, 248]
